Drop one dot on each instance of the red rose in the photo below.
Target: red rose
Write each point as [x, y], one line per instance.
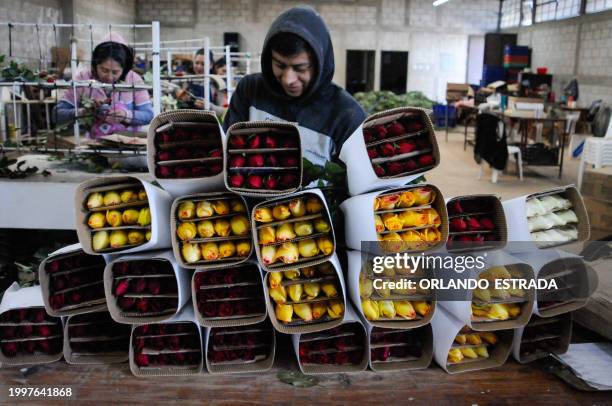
[141, 285]
[28, 346]
[256, 160]
[199, 171]
[414, 126]
[126, 303]
[122, 287]
[154, 287]
[289, 180]
[410, 165]
[479, 239]
[255, 181]
[182, 172]
[379, 170]
[423, 142]
[405, 146]
[457, 225]
[270, 141]
[455, 208]
[372, 153]
[236, 180]
[487, 224]
[59, 283]
[237, 141]
[380, 131]
[178, 358]
[387, 149]
[183, 153]
[53, 266]
[394, 168]
[9, 349]
[225, 309]
[75, 297]
[288, 161]
[164, 156]
[368, 136]
[272, 161]
[490, 237]
[218, 356]
[44, 331]
[255, 141]
[473, 224]
[216, 153]
[271, 182]
[426, 160]
[174, 342]
[165, 138]
[38, 316]
[142, 360]
[289, 142]
[237, 161]
[142, 305]
[395, 129]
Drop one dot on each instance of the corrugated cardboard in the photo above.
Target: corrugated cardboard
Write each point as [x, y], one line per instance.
[360, 172]
[176, 243]
[315, 325]
[600, 213]
[159, 204]
[597, 184]
[565, 323]
[177, 187]
[409, 364]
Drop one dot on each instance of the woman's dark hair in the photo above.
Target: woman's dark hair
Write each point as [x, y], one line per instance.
[219, 64]
[288, 44]
[210, 58]
[119, 53]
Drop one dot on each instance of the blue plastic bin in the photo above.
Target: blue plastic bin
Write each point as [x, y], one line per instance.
[439, 111]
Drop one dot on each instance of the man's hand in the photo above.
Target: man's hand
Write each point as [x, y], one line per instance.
[199, 103]
[117, 116]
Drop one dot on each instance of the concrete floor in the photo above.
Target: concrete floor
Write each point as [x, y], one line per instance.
[458, 172]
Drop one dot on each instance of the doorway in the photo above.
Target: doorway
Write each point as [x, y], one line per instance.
[359, 71]
[394, 71]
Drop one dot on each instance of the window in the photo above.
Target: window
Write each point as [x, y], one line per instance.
[593, 6]
[527, 12]
[394, 71]
[511, 13]
[547, 10]
[359, 71]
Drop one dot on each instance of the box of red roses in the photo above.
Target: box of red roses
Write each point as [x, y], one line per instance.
[167, 348]
[263, 158]
[458, 348]
[240, 349]
[403, 219]
[400, 307]
[95, 338]
[72, 281]
[542, 337]
[28, 335]
[145, 288]
[341, 349]
[211, 230]
[475, 223]
[293, 231]
[229, 297]
[121, 214]
[400, 350]
[390, 148]
[308, 299]
[185, 151]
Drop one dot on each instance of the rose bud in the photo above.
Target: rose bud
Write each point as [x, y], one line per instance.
[478, 239]
[288, 180]
[164, 172]
[182, 172]
[215, 153]
[237, 141]
[53, 266]
[465, 238]
[236, 180]
[165, 138]
[289, 142]
[157, 343]
[387, 149]
[142, 360]
[423, 142]
[174, 342]
[28, 346]
[379, 170]
[372, 153]
[491, 237]
[457, 225]
[199, 171]
[178, 358]
[394, 168]
[162, 359]
[270, 141]
[341, 358]
[272, 161]
[255, 141]
[38, 316]
[405, 146]
[122, 287]
[473, 224]
[126, 303]
[208, 310]
[9, 349]
[237, 161]
[487, 224]
[380, 131]
[164, 156]
[20, 315]
[410, 165]
[256, 160]
[289, 161]
[141, 285]
[183, 153]
[154, 287]
[255, 182]
[8, 332]
[76, 297]
[455, 208]
[25, 331]
[426, 160]
[368, 136]
[395, 129]
[271, 182]
[414, 126]
[56, 301]
[142, 305]
[225, 309]
[121, 268]
[44, 331]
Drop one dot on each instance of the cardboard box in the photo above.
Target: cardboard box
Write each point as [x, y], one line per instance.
[158, 201]
[268, 205]
[576, 281]
[255, 281]
[493, 211]
[283, 130]
[457, 91]
[600, 213]
[446, 327]
[597, 184]
[541, 337]
[352, 322]
[358, 268]
[297, 325]
[382, 338]
[177, 244]
[207, 120]
[180, 277]
[48, 278]
[264, 350]
[462, 309]
[361, 228]
[519, 237]
[360, 170]
[96, 330]
[186, 323]
[31, 299]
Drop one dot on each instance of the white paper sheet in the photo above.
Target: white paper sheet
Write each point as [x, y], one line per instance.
[592, 362]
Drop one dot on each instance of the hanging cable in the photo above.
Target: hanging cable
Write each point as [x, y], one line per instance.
[10, 27]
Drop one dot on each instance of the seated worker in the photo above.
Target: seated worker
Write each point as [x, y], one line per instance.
[220, 67]
[194, 95]
[113, 110]
[295, 84]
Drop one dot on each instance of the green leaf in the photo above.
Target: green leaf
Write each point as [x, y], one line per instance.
[297, 379]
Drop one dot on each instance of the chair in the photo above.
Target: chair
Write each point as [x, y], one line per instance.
[598, 152]
[514, 151]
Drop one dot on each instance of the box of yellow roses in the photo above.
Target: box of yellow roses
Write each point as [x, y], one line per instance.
[293, 232]
[488, 292]
[459, 348]
[574, 280]
[210, 230]
[388, 299]
[405, 219]
[121, 215]
[307, 299]
[145, 288]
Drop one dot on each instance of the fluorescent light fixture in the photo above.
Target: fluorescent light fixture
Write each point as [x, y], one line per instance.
[439, 2]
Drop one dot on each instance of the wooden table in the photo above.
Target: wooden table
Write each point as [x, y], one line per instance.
[511, 384]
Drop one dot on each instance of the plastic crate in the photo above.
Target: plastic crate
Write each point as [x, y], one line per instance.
[539, 154]
[439, 111]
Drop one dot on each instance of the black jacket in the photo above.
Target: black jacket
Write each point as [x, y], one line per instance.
[490, 141]
[326, 114]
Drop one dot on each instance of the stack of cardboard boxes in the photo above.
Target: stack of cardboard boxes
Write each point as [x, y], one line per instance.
[597, 194]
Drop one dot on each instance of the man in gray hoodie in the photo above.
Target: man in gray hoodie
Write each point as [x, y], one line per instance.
[295, 84]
